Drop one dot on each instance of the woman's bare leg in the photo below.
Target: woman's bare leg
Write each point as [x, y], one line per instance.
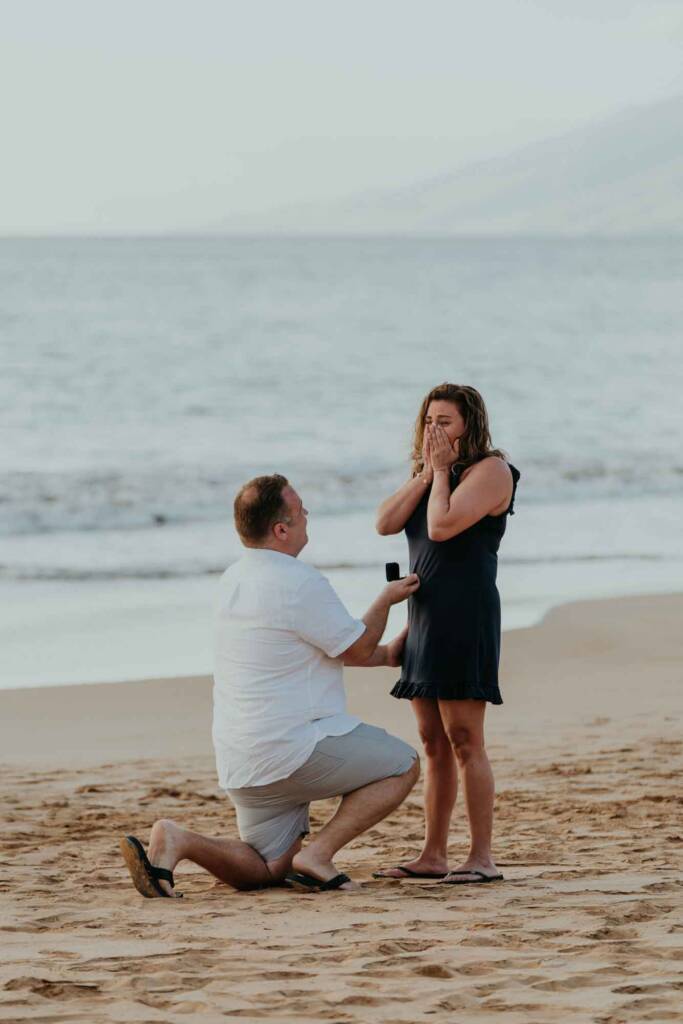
[440, 790]
[464, 724]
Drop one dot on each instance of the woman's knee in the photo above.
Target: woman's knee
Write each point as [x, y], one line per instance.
[435, 742]
[464, 743]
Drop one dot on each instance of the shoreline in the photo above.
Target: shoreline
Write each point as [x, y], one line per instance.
[133, 718]
[178, 623]
[129, 628]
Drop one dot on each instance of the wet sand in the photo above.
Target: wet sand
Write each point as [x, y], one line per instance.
[588, 755]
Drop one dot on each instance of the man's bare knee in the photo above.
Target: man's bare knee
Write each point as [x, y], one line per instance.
[412, 774]
[277, 869]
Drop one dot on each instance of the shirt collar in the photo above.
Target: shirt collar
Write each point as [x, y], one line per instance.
[265, 554]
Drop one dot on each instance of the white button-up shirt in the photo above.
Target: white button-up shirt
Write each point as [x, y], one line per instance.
[278, 677]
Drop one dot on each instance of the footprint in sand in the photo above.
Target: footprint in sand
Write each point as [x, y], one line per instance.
[433, 971]
[401, 946]
[52, 989]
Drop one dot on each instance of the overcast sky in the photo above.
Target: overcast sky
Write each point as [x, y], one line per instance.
[147, 115]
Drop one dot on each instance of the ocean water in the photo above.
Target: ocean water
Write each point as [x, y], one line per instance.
[144, 379]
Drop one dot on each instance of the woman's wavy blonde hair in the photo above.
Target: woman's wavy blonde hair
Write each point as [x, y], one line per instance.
[475, 442]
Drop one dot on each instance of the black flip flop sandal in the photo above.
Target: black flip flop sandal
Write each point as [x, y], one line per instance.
[479, 880]
[307, 883]
[145, 876]
[409, 873]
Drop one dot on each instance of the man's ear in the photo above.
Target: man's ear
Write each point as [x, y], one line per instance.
[280, 531]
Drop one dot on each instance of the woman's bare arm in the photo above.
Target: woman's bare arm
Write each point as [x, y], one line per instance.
[394, 513]
[487, 487]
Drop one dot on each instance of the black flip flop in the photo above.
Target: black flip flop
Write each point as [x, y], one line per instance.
[307, 883]
[472, 881]
[409, 873]
[145, 876]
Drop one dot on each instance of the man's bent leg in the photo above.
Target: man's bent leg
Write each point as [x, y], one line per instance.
[230, 860]
[357, 812]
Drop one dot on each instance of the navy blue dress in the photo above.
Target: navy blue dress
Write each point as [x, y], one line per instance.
[452, 649]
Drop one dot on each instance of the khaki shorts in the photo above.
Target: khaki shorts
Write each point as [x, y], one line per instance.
[270, 818]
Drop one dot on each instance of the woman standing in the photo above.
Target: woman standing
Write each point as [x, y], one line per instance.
[454, 511]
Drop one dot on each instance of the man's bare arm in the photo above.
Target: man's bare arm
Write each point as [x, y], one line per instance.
[375, 619]
[390, 654]
[377, 658]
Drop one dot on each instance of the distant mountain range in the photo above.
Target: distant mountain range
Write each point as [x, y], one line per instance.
[619, 176]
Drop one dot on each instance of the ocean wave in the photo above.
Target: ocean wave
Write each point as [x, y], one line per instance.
[130, 499]
[46, 574]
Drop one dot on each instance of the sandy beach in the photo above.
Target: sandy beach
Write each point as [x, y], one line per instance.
[588, 755]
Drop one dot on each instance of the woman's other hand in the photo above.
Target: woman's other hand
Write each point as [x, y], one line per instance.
[395, 649]
[442, 452]
[427, 473]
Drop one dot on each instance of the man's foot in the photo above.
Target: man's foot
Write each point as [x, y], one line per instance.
[307, 883]
[421, 867]
[146, 878]
[474, 871]
[164, 848]
[306, 863]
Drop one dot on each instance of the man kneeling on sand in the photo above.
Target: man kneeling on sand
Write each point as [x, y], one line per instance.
[281, 732]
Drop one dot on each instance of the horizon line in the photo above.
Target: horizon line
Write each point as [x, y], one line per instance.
[288, 236]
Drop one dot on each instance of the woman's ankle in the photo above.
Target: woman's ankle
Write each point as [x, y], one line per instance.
[433, 855]
[481, 856]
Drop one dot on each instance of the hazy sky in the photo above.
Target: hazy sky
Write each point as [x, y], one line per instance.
[155, 114]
